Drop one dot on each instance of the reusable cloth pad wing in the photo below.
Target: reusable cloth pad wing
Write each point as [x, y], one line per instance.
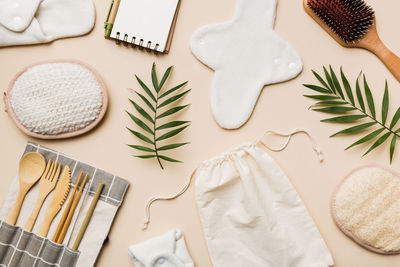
[366, 208]
[246, 54]
[252, 215]
[34, 21]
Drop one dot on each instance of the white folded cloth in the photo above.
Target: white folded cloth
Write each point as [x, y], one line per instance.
[42, 21]
[167, 250]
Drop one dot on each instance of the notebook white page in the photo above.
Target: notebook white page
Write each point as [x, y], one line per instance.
[149, 20]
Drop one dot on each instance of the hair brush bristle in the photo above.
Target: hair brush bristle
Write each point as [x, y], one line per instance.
[348, 19]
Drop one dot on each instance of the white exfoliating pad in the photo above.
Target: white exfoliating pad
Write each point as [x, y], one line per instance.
[366, 208]
[42, 21]
[56, 99]
[246, 54]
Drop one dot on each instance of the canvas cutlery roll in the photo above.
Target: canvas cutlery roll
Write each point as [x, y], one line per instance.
[19, 247]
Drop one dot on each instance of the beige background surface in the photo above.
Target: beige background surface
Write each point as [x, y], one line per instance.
[280, 107]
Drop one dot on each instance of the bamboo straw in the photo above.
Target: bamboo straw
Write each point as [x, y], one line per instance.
[66, 211]
[60, 239]
[88, 216]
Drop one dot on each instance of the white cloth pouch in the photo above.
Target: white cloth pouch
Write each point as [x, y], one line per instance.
[22, 248]
[252, 215]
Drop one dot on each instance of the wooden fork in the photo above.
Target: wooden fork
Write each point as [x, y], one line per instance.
[46, 185]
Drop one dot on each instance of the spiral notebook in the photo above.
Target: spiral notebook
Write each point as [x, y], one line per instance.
[143, 23]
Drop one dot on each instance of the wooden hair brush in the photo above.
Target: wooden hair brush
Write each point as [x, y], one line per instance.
[352, 24]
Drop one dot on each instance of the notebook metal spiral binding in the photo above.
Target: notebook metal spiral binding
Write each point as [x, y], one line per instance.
[141, 45]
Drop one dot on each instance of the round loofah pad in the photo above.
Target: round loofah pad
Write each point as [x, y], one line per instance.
[57, 99]
[366, 207]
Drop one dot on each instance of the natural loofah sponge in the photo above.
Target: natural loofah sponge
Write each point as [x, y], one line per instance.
[366, 207]
[56, 99]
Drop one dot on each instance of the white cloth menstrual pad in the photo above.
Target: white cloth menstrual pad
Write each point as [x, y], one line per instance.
[42, 21]
[246, 54]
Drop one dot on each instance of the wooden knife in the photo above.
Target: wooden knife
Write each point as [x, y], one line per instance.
[60, 195]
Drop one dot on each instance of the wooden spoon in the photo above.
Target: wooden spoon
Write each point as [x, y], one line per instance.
[31, 168]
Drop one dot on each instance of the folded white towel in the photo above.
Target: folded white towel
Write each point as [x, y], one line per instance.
[42, 21]
[167, 250]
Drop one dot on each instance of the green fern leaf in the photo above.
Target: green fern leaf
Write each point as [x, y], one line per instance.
[142, 148]
[392, 147]
[146, 89]
[165, 77]
[170, 91]
[171, 111]
[173, 99]
[385, 104]
[370, 99]
[332, 100]
[395, 119]
[171, 124]
[359, 96]
[169, 159]
[347, 87]
[156, 121]
[378, 142]
[330, 82]
[355, 129]
[346, 119]
[336, 83]
[140, 123]
[171, 133]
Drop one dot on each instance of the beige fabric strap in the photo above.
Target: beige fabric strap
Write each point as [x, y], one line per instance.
[289, 137]
[260, 141]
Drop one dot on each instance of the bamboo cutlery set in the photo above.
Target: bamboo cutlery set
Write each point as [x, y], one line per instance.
[33, 169]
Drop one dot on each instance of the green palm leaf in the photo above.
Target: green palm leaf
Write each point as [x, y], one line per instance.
[146, 89]
[170, 91]
[172, 146]
[335, 110]
[370, 99]
[169, 159]
[142, 148]
[395, 119]
[392, 147]
[331, 100]
[171, 133]
[322, 97]
[355, 129]
[336, 83]
[378, 142]
[347, 118]
[359, 96]
[171, 124]
[347, 86]
[154, 78]
[156, 121]
[329, 79]
[173, 99]
[385, 104]
[171, 111]
[165, 77]
[140, 123]
[142, 111]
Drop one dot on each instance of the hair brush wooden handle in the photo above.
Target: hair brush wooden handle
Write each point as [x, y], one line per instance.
[391, 61]
[352, 24]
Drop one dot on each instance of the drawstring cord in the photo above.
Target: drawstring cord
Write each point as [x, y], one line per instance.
[154, 199]
[289, 137]
[183, 190]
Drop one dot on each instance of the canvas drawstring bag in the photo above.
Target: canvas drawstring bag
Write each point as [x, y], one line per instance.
[250, 212]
